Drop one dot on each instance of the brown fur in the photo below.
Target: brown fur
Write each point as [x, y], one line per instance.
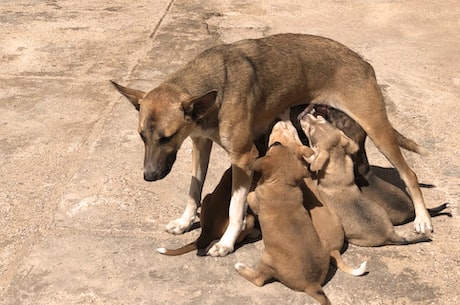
[365, 223]
[229, 94]
[374, 187]
[214, 219]
[326, 223]
[293, 251]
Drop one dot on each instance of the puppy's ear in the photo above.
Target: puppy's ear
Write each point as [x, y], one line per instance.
[350, 146]
[197, 107]
[261, 165]
[305, 153]
[253, 203]
[318, 160]
[133, 95]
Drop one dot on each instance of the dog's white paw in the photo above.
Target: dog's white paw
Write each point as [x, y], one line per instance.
[422, 223]
[178, 226]
[220, 250]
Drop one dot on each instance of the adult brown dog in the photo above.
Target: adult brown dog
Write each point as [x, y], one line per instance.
[230, 93]
[294, 254]
[365, 223]
[214, 219]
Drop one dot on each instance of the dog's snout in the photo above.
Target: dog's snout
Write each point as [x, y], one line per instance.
[150, 176]
[158, 169]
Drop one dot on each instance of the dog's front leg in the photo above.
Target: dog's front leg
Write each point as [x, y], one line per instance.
[200, 159]
[241, 182]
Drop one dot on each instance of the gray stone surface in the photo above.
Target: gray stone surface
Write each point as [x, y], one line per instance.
[78, 225]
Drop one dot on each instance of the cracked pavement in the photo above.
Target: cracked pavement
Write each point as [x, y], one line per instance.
[78, 225]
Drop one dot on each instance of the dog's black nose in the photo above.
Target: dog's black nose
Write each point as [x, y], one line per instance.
[150, 176]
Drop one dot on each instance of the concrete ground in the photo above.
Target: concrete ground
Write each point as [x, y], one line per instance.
[78, 225]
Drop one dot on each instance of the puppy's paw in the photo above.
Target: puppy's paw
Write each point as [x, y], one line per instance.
[219, 249]
[240, 266]
[422, 223]
[179, 226]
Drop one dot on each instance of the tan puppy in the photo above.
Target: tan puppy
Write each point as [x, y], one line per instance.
[230, 93]
[378, 189]
[365, 223]
[325, 222]
[355, 132]
[214, 218]
[293, 251]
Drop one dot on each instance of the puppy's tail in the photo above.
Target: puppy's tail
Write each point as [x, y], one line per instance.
[336, 259]
[182, 250]
[409, 144]
[437, 210]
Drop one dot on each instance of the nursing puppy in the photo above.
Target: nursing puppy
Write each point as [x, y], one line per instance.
[293, 253]
[365, 223]
[325, 221]
[392, 197]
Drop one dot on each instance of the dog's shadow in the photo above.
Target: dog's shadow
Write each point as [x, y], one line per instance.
[391, 175]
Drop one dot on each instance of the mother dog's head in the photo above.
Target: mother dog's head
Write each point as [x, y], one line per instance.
[167, 116]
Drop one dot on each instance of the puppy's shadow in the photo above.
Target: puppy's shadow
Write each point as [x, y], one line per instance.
[391, 175]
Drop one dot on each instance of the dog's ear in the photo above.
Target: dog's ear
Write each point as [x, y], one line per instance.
[197, 107]
[133, 95]
[350, 146]
[318, 160]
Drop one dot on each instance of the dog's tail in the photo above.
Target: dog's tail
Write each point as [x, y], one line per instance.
[437, 210]
[336, 259]
[182, 250]
[409, 144]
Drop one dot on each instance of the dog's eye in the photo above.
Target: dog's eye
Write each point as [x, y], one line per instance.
[164, 140]
[142, 136]
[275, 144]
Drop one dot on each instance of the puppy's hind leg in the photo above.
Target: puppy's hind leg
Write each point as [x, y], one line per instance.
[200, 159]
[396, 239]
[256, 276]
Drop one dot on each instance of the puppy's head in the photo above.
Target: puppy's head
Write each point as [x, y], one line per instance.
[324, 138]
[349, 127]
[283, 163]
[166, 118]
[285, 133]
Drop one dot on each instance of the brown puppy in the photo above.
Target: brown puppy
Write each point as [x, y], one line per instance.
[391, 197]
[365, 223]
[352, 130]
[214, 218]
[326, 223]
[230, 93]
[293, 251]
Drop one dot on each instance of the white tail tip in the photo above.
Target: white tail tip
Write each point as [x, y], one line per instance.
[161, 250]
[361, 270]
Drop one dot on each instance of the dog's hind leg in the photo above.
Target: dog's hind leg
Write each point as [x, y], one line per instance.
[201, 152]
[372, 117]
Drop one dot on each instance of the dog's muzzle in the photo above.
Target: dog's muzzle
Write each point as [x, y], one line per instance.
[157, 171]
